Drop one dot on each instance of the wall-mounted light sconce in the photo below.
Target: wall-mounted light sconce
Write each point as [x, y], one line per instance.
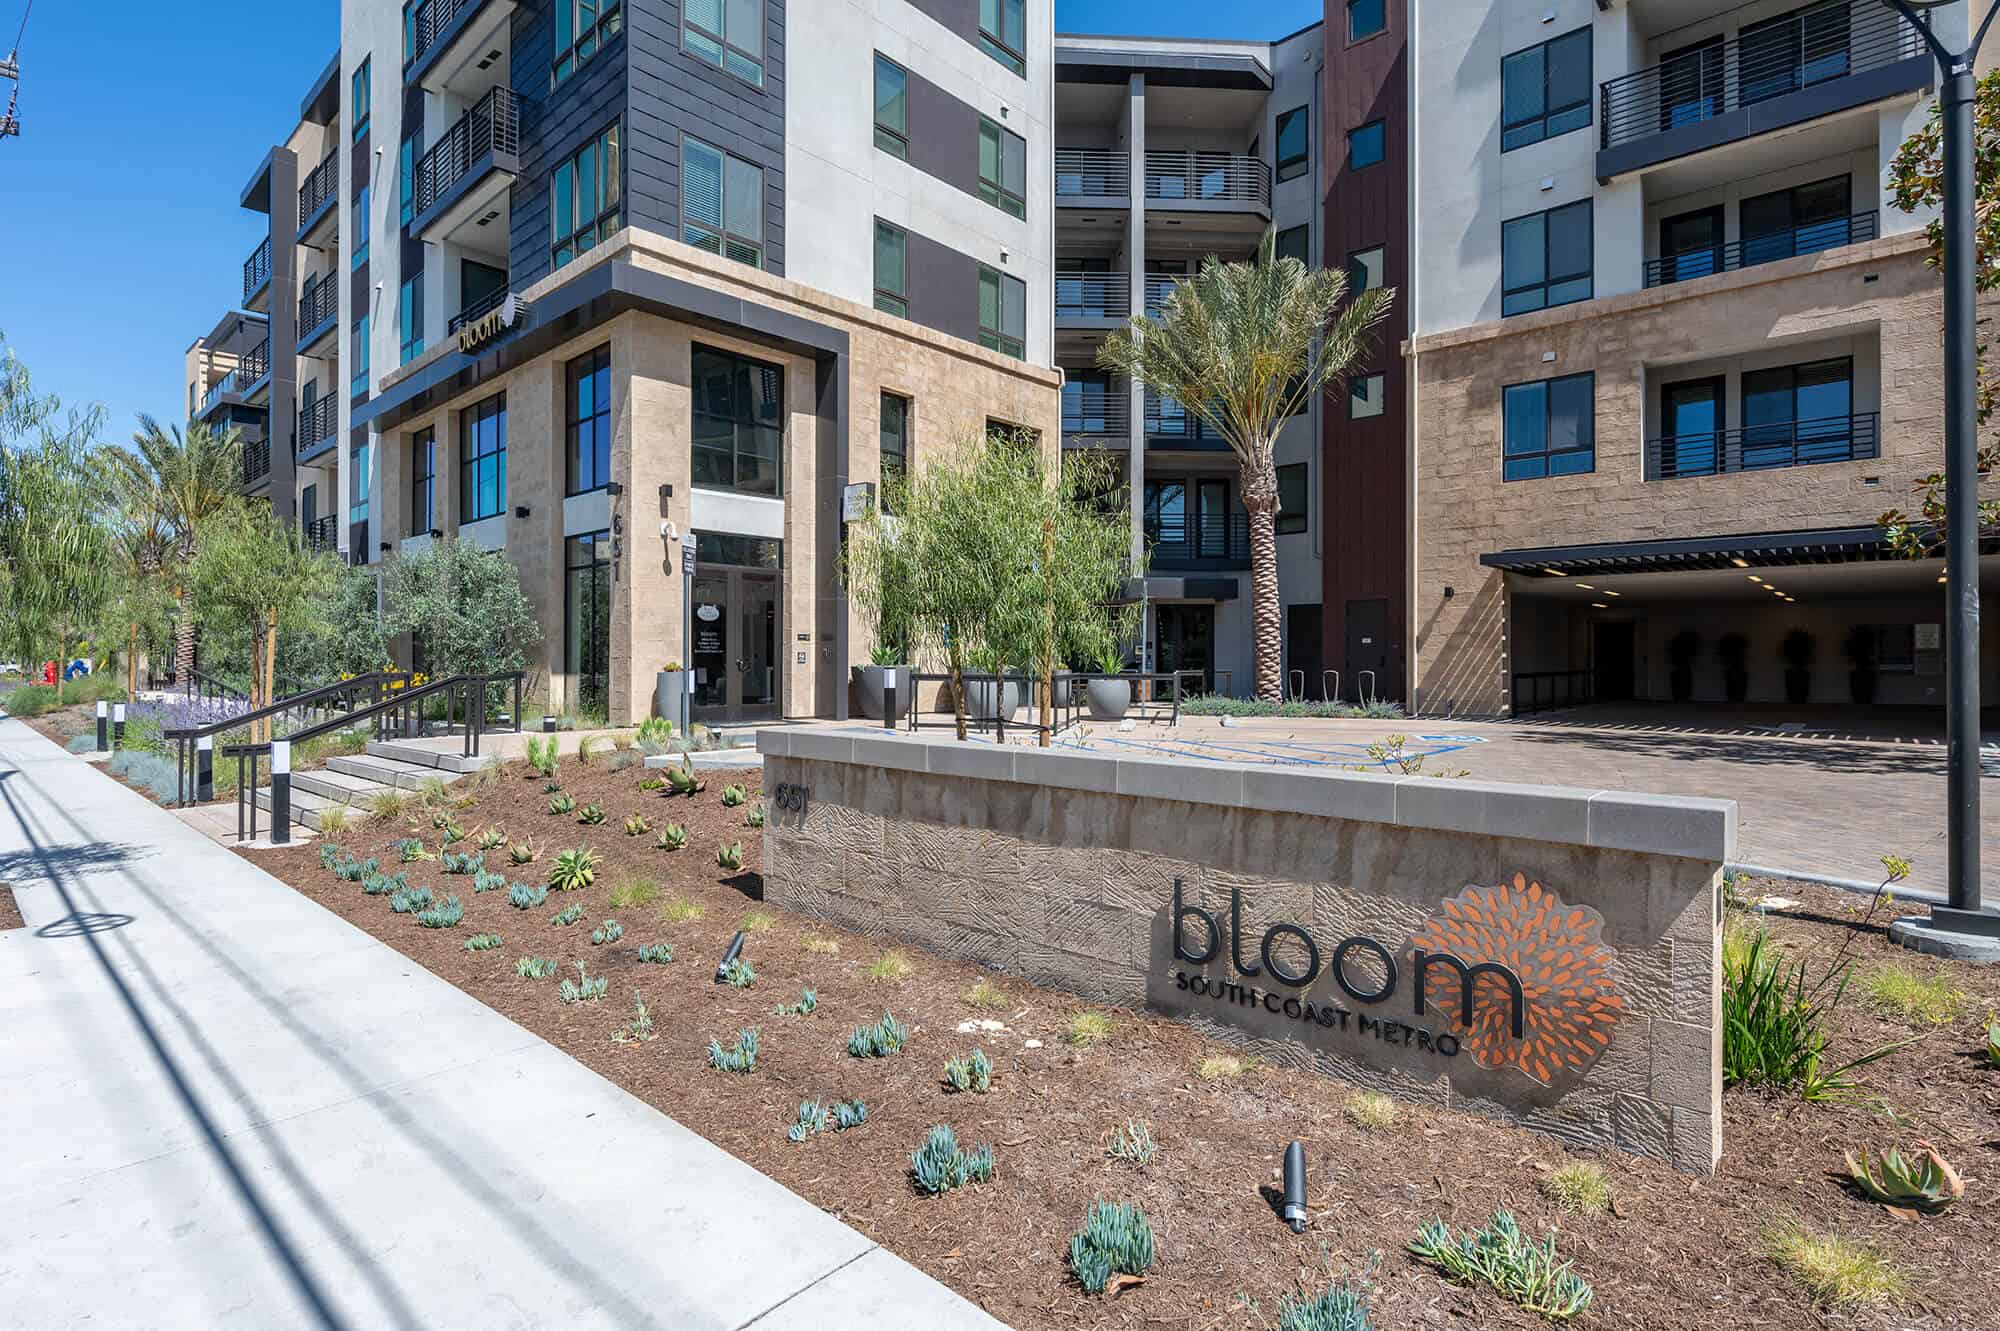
[520, 510]
[667, 491]
[1450, 592]
[385, 547]
[436, 535]
[613, 488]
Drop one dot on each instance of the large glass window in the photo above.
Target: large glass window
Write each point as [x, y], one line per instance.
[892, 107]
[895, 447]
[359, 359]
[1798, 414]
[722, 203]
[1366, 145]
[359, 484]
[1295, 242]
[1294, 498]
[1003, 168]
[739, 423]
[584, 195]
[361, 226]
[1801, 220]
[1792, 51]
[1545, 259]
[582, 29]
[1003, 32]
[410, 318]
[1550, 428]
[482, 460]
[1545, 90]
[728, 34]
[589, 421]
[1365, 18]
[587, 620]
[1366, 269]
[362, 97]
[1003, 312]
[1367, 397]
[1294, 143]
[406, 174]
[892, 269]
[423, 481]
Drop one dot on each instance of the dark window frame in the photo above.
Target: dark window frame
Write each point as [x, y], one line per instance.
[360, 490]
[1381, 128]
[1549, 278]
[1303, 232]
[593, 574]
[725, 46]
[892, 300]
[358, 385]
[1011, 56]
[894, 463]
[1000, 338]
[1509, 129]
[361, 92]
[1289, 165]
[594, 368]
[1001, 193]
[723, 235]
[410, 318]
[1546, 454]
[739, 420]
[475, 457]
[607, 21]
[891, 138]
[607, 144]
[1360, 381]
[1381, 20]
[1355, 268]
[1290, 522]
[423, 481]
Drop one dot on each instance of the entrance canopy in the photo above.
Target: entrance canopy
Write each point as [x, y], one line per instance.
[1834, 545]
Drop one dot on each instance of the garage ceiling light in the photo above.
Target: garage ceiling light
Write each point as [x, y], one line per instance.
[1755, 578]
[1608, 592]
[1586, 586]
[1599, 605]
[1740, 563]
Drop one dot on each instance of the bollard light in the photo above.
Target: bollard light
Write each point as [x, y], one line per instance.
[281, 792]
[889, 698]
[1295, 1187]
[735, 947]
[117, 724]
[204, 769]
[103, 726]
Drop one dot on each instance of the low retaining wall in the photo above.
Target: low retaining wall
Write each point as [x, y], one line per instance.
[1324, 919]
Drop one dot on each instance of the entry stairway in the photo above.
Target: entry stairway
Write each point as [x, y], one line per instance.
[352, 783]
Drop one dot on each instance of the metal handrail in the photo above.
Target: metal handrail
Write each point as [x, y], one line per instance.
[479, 309]
[317, 422]
[1765, 447]
[256, 460]
[1800, 50]
[1168, 419]
[201, 685]
[1750, 251]
[429, 20]
[1093, 295]
[491, 124]
[1158, 287]
[1175, 175]
[1106, 415]
[322, 533]
[256, 269]
[1198, 547]
[226, 384]
[1092, 173]
[256, 363]
[319, 305]
[320, 185]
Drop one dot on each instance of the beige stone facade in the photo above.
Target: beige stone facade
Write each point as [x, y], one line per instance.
[1876, 301]
[954, 388]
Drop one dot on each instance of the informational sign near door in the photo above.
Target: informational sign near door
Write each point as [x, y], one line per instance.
[710, 636]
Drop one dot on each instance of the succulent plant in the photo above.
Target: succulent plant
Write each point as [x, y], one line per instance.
[482, 942]
[1925, 1183]
[1116, 1239]
[653, 783]
[608, 932]
[733, 796]
[885, 1037]
[535, 968]
[410, 900]
[636, 825]
[1500, 1255]
[672, 837]
[330, 854]
[567, 916]
[640, 1028]
[972, 1073]
[657, 954]
[383, 884]
[816, 1117]
[738, 975]
[560, 803]
[573, 870]
[740, 1057]
[521, 852]
[411, 849]
[491, 839]
[730, 857]
[444, 915]
[940, 1164]
[526, 896]
[583, 989]
[756, 816]
[486, 880]
[552, 787]
[590, 815]
[1993, 1042]
[808, 1004]
[683, 781]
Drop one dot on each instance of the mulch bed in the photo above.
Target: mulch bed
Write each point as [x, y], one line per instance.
[1676, 1251]
[10, 911]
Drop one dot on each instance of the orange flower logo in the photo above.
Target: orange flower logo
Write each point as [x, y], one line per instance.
[1565, 969]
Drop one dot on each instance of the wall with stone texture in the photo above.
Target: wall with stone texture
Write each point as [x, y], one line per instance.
[1061, 867]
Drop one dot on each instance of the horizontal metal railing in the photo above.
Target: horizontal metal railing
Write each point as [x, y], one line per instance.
[429, 19]
[1000, 703]
[256, 363]
[492, 124]
[1801, 50]
[1766, 447]
[322, 534]
[217, 390]
[1158, 287]
[479, 309]
[1092, 173]
[1093, 295]
[256, 461]
[1097, 414]
[1180, 544]
[1168, 419]
[1175, 175]
[317, 422]
[1541, 690]
[1753, 250]
[256, 269]
[321, 184]
[318, 306]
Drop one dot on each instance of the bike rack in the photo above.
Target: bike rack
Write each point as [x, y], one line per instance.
[1295, 684]
[1366, 679]
[1329, 692]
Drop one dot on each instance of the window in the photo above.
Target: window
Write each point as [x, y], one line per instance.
[895, 447]
[582, 29]
[1550, 428]
[1365, 269]
[892, 270]
[482, 460]
[1294, 503]
[1793, 51]
[1800, 414]
[1545, 259]
[361, 227]
[1018, 436]
[1294, 143]
[892, 107]
[584, 196]
[423, 482]
[1365, 145]
[1003, 168]
[1802, 220]
[359, 484]
[722, 203]
[728, 34]
[587, 619]
[1365, 18]
[739, 423]
[1003, 312]
[360, 358]
[406, 174]
[1545, 90]
[410, 318]
[1896, 649]
[1003, 32]
[1296, 243]
[363, 86]
[589, 418]
[1367, 397]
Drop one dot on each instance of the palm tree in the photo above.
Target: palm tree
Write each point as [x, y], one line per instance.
[170, 481]
[1244, 346]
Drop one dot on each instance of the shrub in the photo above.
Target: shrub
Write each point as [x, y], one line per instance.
[640, 1028]
[445, 915]
[621, 759]
[1371, 1110]
[384, 884]
[461, 864]
[1772, 1023]
[740, 1057]
[1116, 1239]
[410, 900]
[1088, 1029]
[1836, 1271]
[591, 815]
[1923, 1183]
[491, 838]
[733, 796]
[892, 966]
[567, 916]
[730, 857]
[681, 910]
[583, 989]
[885, 1037]
[608, 932]
[534, 968]
[521, 852]
[756, 817]
[738, 975]
[756, 920]
[815, 1118]
[573, 870]
[30, 700]
[482, 942]
[1211, 704]
[1133, 1143]
[157, 776]
[333, 820]
[1897, 990]
[560, 804]
[85, 743]
[985, 994]
[654, 729]
[633, 893]
[940, 1164]
[485, 881]
[1501, 1256]
[807, 1005]
[973, 1073]
[542, 754]
[672, 837]
[657, 954]
[821, 945]
[411, 849]
[636, 824]
[526, 896]
[1579, 1187]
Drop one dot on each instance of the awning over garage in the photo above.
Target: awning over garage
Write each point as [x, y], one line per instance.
[1834, 545]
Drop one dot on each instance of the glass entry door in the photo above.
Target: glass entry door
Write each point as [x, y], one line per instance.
[736, 655]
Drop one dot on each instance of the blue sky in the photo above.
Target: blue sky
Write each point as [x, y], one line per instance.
[121, 239]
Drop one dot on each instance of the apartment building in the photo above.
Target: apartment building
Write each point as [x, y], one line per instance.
[584, 281]
[1673, 350]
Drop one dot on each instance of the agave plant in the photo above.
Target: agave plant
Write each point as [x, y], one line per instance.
[730, 857]
[591, 815]
[636, 825]
[521, 852]
[573, 870]
[1924, 1183]
[1993, 1042]
[560, 804]
[682, 780]
[673, 836]
[756, 816]
[733, 796]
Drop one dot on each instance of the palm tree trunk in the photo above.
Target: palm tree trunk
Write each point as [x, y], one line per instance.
[1264, 615]
[183, 640]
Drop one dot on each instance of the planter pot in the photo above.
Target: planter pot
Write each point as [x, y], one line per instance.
[1018, 693]
[1798, 685]
[1681, 679]
[1109, 699]
[667, 689]
[1861, 685]
[984, 699]
[870, 695]
[1736, 683]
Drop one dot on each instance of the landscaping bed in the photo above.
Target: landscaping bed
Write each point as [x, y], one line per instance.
[1670, 1251]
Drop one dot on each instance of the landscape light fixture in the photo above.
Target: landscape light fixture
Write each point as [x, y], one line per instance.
[1295, 1187]
[722, 967]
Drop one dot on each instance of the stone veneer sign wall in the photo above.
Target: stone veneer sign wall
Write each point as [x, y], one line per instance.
[1546, 955]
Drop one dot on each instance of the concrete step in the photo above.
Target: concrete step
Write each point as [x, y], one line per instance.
[306, 806]
[423, 754]
[390, 771]
[341, 787]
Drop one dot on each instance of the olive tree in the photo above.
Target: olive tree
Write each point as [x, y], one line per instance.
[253, 575]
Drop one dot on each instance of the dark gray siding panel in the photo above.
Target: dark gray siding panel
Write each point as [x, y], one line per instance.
[944, 135]
[555, 125]
[944, 288]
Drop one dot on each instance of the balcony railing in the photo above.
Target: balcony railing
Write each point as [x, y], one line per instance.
[1093, 296]
[256, 363]
[256, 270]
[1764, 447]
[1092, 173]
[429, 20]
[320, 305]
[322, 534]
[1158, 287]
[1182, 176]
[1209, 544]
[1096, 415]
[1169, 420]
[317, 424]
[1753, 250]
[225, 385]
[1766, 60]
[479, 309]
[256, 461]
[493, 124]
[322, 184]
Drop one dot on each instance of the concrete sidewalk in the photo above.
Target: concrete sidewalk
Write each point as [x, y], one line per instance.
[226, 1107]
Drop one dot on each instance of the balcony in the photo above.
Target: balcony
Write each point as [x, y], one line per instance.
[257, 277]
[226, 391]
[255, 368]
[1754, 250]
[1764, 447]
[1189, 181]
[1092, 299]
[322, 535]
[1208, 545]
[1094, 414]
[316, 426]
[319, 199]
[1171, 426]
[465, 176]
[319, 310]
[1093, 178]
[448, 45]
[478, 309]
[256, 462]
[1158, 287]
[1786, 71]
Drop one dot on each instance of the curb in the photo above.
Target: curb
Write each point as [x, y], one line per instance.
[1901, 891]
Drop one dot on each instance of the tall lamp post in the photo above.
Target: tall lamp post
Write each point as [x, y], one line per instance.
[1960, 928]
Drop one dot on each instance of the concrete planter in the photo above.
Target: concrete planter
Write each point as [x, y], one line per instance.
[668, 686]
[869, 693]
[1109, 699]
[984, 699]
